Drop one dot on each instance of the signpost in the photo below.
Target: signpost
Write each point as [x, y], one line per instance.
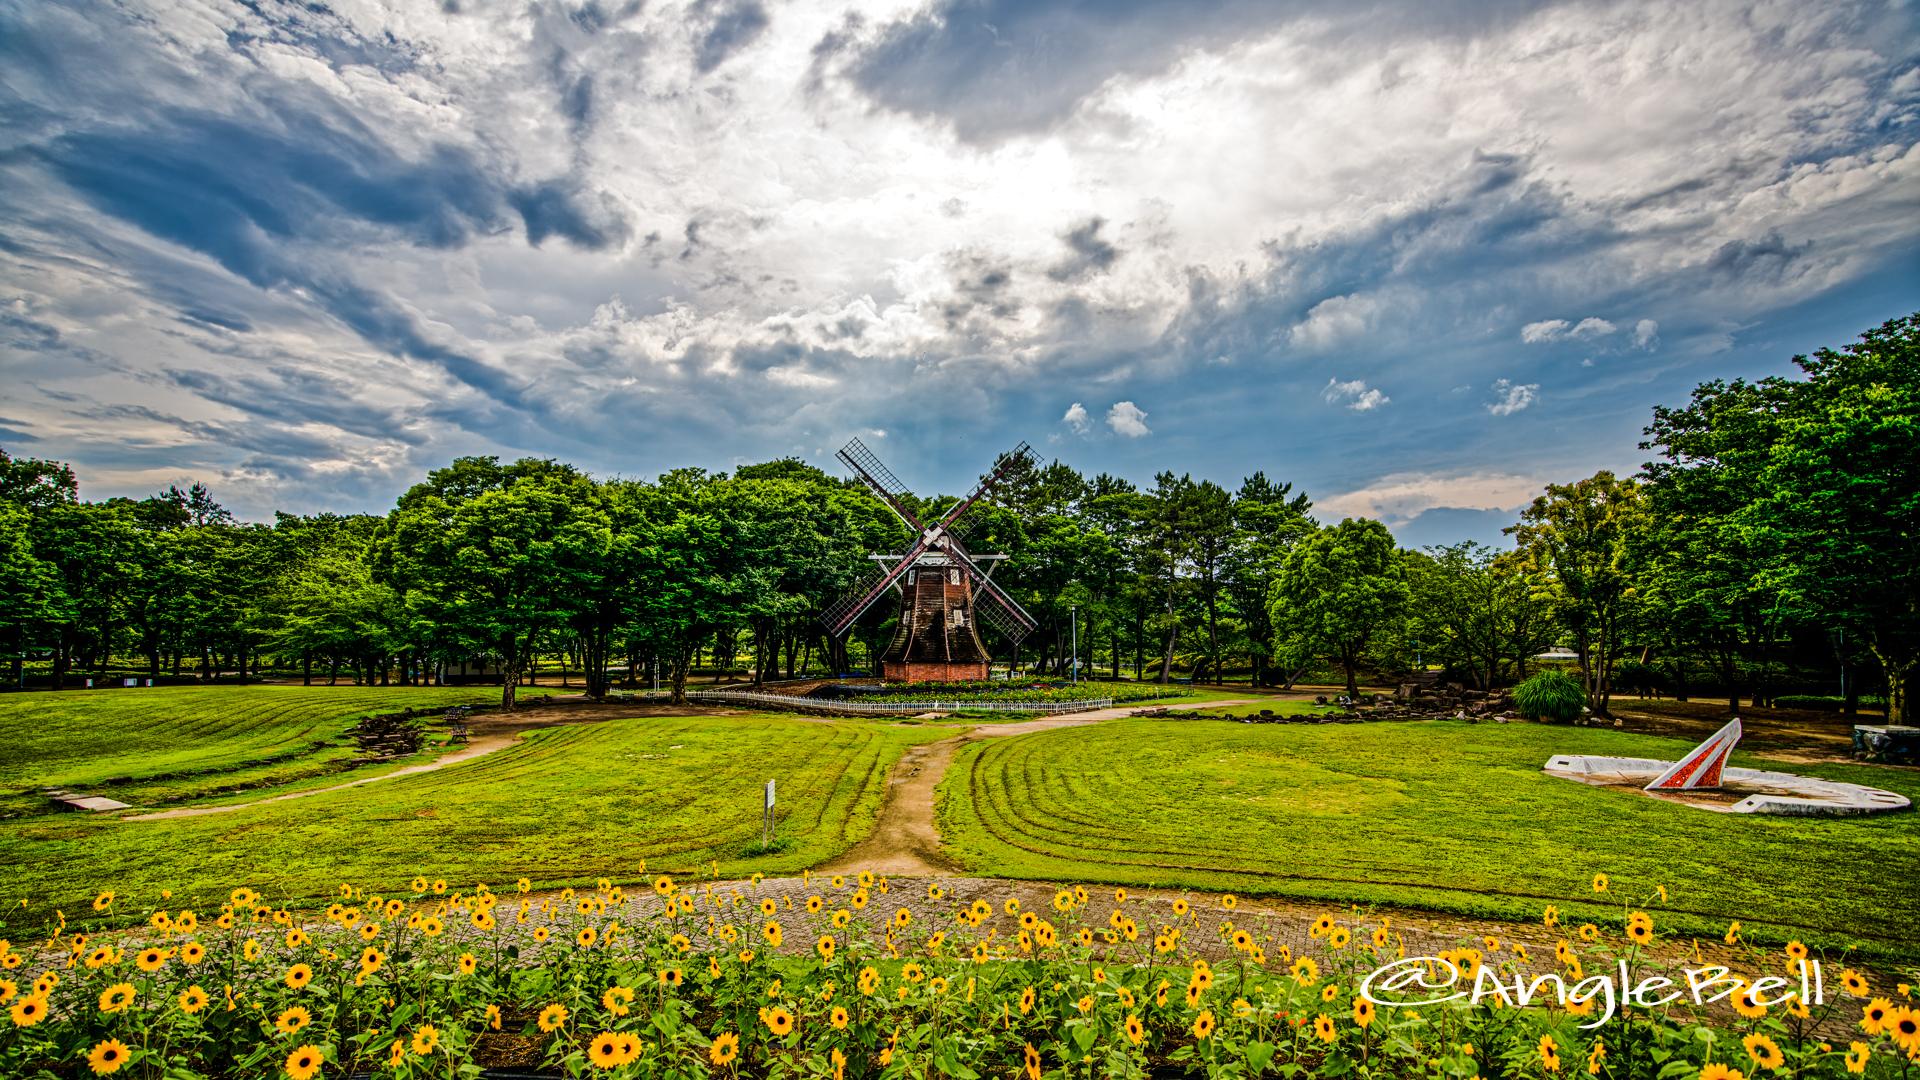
[766, 819]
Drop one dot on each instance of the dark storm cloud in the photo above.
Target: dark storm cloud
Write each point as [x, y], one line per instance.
[1000, 67]
[1091, 253]
[591, 220]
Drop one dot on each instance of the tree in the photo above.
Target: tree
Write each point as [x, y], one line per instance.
[1266, 525]
[1816, 478]
[1477, 610]
[1340, 589]
[1582, 536]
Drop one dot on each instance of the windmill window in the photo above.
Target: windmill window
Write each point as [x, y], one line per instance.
[956, 617]
[953, 576]
[912, 576]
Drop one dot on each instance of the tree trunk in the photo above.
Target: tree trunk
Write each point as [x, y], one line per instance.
[1350, 659]
[306, 668]
[681, 660]
[60, 662]
[1166, 659]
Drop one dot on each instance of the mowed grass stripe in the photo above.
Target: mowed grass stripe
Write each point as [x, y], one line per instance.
[1450, 816]
[75, 738]
[567, 805]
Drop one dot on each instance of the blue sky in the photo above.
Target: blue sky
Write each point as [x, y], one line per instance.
[1417, 258]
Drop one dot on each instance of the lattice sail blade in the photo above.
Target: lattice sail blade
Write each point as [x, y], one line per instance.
[987, 483]
[841, 613]
[998, 608]
[866, 466]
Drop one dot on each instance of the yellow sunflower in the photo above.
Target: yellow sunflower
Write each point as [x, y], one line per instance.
[107, 1057]
[725, 1047]
[1136, 1031]
[553, 1017]
[1323, 1027]
[1763, 1051]
[779, 1021]
[426, 1040]
[304, 1063]
[1203, 1025]
[290, 1021]
[604, 1051]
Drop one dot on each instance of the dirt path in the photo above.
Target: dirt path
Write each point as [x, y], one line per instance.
[486, 734]
[904, 841]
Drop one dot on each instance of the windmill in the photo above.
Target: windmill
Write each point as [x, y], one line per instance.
[939, 582]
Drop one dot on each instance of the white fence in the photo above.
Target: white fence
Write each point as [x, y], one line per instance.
[747, 697]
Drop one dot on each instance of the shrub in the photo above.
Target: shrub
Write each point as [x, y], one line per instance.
[1825, 704]
[1550, 693]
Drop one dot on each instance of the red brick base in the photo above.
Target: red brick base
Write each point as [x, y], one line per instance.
[893, 671]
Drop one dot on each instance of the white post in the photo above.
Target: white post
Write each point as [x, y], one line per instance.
[766, 822]
[1073, 612]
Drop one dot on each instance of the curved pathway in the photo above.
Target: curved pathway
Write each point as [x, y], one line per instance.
[904, 841]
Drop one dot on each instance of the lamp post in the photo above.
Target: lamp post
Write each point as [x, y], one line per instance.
[1073, 613]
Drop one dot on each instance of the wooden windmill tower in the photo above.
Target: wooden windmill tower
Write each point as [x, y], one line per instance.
[943, 590]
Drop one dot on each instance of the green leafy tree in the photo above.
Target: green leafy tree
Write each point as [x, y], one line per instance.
[1340, 589]
[1583, 537]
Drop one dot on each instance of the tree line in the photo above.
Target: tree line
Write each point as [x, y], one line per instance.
[1770, 546]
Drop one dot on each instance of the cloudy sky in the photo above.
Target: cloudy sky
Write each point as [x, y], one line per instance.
[1418, 258]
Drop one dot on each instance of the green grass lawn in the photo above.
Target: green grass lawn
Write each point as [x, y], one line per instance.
[565, 806]
[1446, 816]
[80, 737]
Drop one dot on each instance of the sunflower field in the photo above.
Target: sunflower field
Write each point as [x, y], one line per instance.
[838, 978]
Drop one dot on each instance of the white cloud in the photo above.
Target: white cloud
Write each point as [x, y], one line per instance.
[1126, 419]
[1399, 497]
[1547, 330]
[1512, 398]
[1355, 393]
[1646, 335]
[1077, 418]
[878, 433]
[1334, 320]
[1591, 329]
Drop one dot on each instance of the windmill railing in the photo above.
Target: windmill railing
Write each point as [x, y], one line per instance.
[881, 708]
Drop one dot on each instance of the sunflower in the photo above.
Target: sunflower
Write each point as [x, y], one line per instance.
[186, 922]
[116, 998]
[604, 1051]
[586, 937]
[859, 899]
[725, 1047]
[1136, 1031]
[553, 1017]
[618, 998]
[251, 950]
[1589, 932]
[937, 985]
[151, 959]
[1717, 1071]
[1339, 936]
[1857, 1057]
[1330, 991]
[1026, 940]
[772, 933]
[493, 1017]
[468, 963]
[814, 904]
[1733, 933]
[103, 901]
[869, 980]
[1641, 933]
[1085, 1004]
[371, 959]
[29, 1010]
[1362, 1011]
[939, 938]
[769, 907]
[419, 884]
[1027, 998]
[779, 1021]
[1163, 943]
[1323, 1027]
[1745, 1005]
[1599, 883]
[1874, 1017]
[439, 887]
[838, 1018]
[541, 933]
[935, 892]
[824, 947]
[304, 1063]
[1181, 907]
[108, 1056]
[1904, 1026]
[290, 1021]
[1160, 995]
[1203, 1025]
[1855, 983]
[431, 926]
[426, 1040]
[1796, 951]
[1381, 937]
[1305, 971]
[1549, 1053]
[841, 918]
[1033, 1062]
[980, 909]
[671, 977]
[1193, 995]
[100, 957]
[1242, 941]
[1763, 1051]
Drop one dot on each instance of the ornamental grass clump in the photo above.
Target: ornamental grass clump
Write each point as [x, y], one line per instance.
[690, 980]
[1550, 694]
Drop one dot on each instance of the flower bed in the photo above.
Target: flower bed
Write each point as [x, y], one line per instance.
[1036, 693]
[688, 982]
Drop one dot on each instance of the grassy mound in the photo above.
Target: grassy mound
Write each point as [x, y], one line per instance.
[1444, 816]
[565, 806]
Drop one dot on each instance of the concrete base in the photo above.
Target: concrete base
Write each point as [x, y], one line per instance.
[1742, 791]
[894, 671]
